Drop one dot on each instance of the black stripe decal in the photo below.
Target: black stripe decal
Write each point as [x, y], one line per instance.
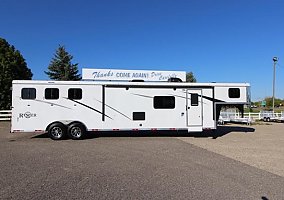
[119, 112]
[205, 97]
[214, 105]
[116, 110]
[208, 98]
[52, 104]
[178, 96]
[89, 107]
[103, 103]
[212, 99]
[141, 95]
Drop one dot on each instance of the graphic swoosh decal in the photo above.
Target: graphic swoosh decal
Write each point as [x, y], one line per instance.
[141, 95]
[116, 111]
[89, 107]
[52, 104]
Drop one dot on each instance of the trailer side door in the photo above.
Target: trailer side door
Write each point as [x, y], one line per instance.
[194, 107]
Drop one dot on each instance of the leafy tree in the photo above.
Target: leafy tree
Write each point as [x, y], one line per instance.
[190, 77]
[269, 100]
[61, 67]
[12, 67]
[277, 102]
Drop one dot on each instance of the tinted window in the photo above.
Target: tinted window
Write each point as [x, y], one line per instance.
[138, 115]
[194, 99]
[75, 93]
[164, 102]
[28, 93]
[234, 92]
[51, 93]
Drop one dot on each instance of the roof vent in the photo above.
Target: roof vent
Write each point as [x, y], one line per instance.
[172, 79]
[137, 80]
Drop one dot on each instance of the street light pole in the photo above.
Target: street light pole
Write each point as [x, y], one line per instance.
[275, 59]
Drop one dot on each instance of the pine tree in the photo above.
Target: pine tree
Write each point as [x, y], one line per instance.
[61, 67]
[190, 77]
[12, 67]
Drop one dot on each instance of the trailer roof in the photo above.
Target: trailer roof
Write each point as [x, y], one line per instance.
[123, 83]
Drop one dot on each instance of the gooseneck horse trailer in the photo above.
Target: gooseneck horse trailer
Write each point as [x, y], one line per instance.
[72, 108]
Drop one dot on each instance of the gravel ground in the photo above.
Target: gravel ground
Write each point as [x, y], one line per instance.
[261, 146]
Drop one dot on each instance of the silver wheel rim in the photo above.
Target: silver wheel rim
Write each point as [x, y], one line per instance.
[56, 132]
[76, 132]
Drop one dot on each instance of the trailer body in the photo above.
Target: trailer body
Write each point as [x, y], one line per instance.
[109, 105]
[269, 116]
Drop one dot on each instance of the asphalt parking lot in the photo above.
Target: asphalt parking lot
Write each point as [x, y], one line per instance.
[260, 146]
[229, 164]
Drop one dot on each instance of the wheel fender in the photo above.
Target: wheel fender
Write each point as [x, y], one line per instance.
[47, 128]
[78, 122]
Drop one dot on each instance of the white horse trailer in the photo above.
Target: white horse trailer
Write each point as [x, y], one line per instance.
[72, 108]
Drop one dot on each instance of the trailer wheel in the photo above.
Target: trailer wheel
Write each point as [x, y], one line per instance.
[264, 119]
[57, 131]
[76, 131]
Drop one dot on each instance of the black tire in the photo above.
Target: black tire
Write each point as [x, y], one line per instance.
[268, 119]
[76, 131]
[57, 131]
[264, 119]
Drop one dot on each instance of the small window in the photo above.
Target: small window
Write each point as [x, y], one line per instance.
[138, 115]
[194, 99]
[28, 93]
[234, 92]
[164, 102]
[75, 93]
[51, 93]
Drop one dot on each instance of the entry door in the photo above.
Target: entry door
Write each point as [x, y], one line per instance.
[194, 107]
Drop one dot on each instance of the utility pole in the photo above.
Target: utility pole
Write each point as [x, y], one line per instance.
[275, 60]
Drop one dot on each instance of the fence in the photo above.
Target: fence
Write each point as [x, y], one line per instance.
[248, 117]
[5, 115]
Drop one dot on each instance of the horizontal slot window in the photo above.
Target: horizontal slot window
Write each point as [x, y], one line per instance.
[164, 102]
[75, 93]
[28, 93]
[51, 93]
[138, 115]
[234, 93]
